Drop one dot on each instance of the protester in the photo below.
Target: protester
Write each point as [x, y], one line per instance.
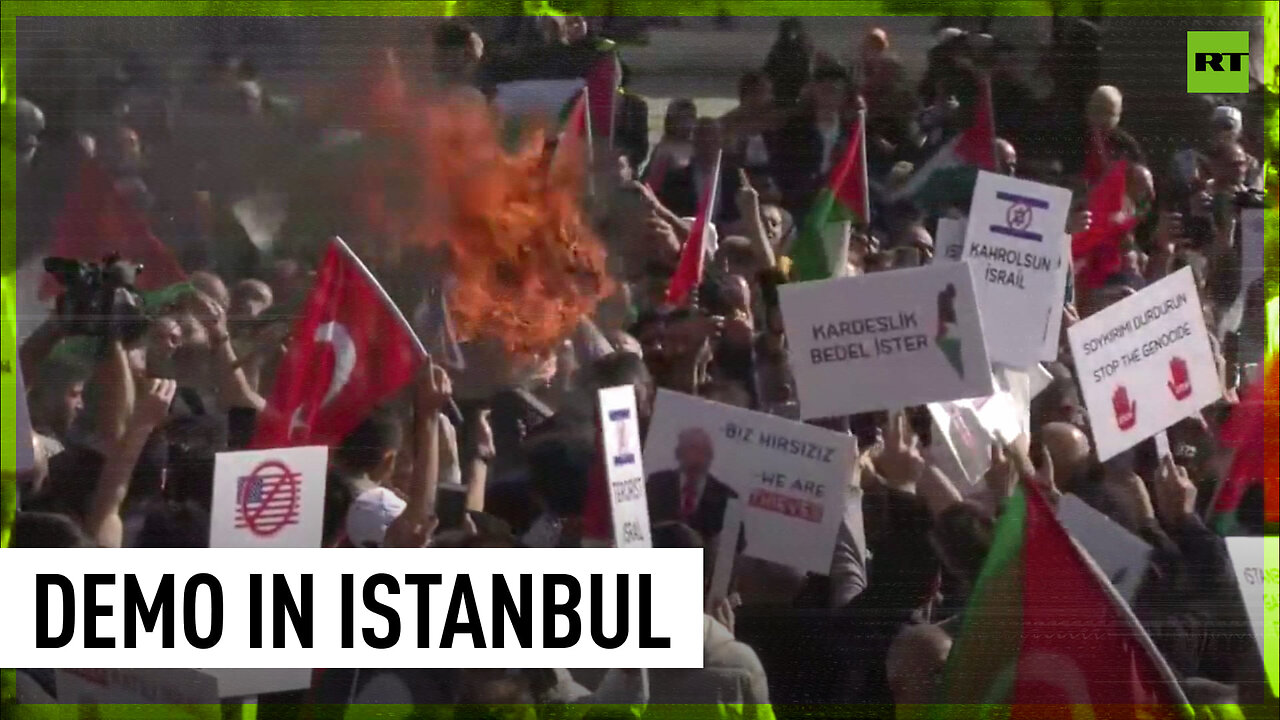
[533, 291]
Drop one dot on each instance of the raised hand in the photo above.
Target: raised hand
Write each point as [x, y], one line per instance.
[1002, 475]
[1126, 410]
[433, 389]
[900, 462]
[1179, 380]
[152, 406]
[1175, 493]
[748, 200]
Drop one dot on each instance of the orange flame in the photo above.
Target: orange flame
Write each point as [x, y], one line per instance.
[437, 177]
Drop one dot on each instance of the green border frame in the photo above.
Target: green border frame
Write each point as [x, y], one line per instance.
[11, 9]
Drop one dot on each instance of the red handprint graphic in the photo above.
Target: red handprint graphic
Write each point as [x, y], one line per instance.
[1126, 410]
[1180, 382]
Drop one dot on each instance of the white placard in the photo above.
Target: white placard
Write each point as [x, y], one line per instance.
[366, 608]
[1014, 243]
[1162, 445]
[1144, 363]
[1051, 349]
[876, 342]
[961, 447]
[790, 477]
[948, 240]
[544, 98]
[1252, 246]
[23, 436]
[184, 694]
[726, 553]
[1259, 589]
[269, 498]
[1121, 555]
[620, 431]
[964, 430]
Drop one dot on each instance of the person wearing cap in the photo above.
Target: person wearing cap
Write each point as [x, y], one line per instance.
[371, 513]
[1227, 125]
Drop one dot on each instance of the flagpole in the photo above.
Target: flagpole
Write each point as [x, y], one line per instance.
[590, 141]
[1119, 603]
[712, 200]
[615, 86]
[866, 187]
[985, 90]
[382, 293]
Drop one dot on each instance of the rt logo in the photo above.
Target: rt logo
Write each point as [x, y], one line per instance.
[1218, 62]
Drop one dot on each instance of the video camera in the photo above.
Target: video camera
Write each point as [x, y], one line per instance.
[100, 300]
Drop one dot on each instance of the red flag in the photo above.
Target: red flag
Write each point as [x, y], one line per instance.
[1097, 159]
[350, 350]
[97, 221]
[1096, 251]
[693, 255]
[603, 80]
[1251, 423]
[977, 144]
[573, 148]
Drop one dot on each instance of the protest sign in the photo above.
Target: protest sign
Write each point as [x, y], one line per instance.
[23, 436]
[726, 550]
[885, 340]
[1254, 560]
[948, 240]
[964, 430]
[269, 498]
[1014, 244]
[1252, 246]
[1121, 555]
[182, 693]
[620, 431]
[1144, 363]
[544, 99]
[790, 477]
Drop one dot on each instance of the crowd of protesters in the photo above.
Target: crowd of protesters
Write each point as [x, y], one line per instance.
[127, 432]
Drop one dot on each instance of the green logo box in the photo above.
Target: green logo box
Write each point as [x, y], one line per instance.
[1218, 61]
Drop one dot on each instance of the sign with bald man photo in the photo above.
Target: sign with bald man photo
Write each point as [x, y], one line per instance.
[790, 477]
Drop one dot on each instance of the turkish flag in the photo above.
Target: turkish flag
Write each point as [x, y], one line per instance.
[350, 351]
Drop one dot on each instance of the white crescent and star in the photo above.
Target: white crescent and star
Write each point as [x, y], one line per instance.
[344, 364]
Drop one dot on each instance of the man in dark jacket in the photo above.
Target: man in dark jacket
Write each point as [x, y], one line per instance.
[690, 493]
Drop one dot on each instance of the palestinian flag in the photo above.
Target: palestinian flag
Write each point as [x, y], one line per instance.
[948, 177]
[573, 149]
[821, 251]
[1045, 636]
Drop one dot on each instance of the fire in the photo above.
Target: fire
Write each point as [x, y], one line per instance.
[437, 177]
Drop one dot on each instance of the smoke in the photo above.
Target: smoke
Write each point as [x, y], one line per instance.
[436, 177]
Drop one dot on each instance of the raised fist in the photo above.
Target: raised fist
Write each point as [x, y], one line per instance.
[1179, 382]
[1126, 410]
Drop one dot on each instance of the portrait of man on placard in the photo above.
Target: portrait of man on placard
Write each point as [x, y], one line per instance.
[689, 493]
